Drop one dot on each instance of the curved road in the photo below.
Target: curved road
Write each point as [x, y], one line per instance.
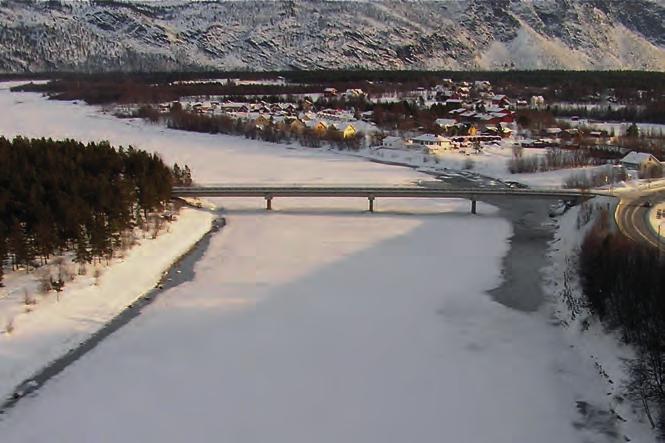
[632, 216]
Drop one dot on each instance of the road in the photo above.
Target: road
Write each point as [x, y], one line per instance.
[632, 216]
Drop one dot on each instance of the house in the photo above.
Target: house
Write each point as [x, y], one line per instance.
[234, 107]
[431, 143]
[354, 93]
[347, 130]
[502, 117]
[453, 103]
[297, 126]
[482, 85]
[537, 101]
[329, 92]
[501, 100]
[320, 127]
[645, 164]
[391, 142]
[262, 122]
[306, 104]
[445, 122]
[367, 115]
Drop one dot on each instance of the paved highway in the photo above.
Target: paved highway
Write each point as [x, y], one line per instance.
[632, 216]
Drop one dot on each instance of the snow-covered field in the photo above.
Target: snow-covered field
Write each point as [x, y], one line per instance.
[492, 161]
[317, 322]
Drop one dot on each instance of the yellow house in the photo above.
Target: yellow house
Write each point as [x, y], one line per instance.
[473, 131]
[349, 131]
[261, 122]
[297, 126]
[319, 127]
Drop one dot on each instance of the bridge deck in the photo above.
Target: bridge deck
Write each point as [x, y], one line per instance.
[376, 191]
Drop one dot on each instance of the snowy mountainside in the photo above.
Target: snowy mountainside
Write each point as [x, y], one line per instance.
[296, 34]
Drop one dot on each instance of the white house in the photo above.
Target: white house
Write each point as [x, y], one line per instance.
[537, 101]
[431, 143]
[391, 142]
[445, 122]
[642, 162]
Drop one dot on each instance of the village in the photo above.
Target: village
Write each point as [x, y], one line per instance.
[442, 124]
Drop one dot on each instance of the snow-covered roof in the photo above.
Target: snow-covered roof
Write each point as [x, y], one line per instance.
[391, 139]
[444, 121]
[315, 123]
[429, 138]
[637, 158]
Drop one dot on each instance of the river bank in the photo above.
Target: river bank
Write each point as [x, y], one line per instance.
[55, 327]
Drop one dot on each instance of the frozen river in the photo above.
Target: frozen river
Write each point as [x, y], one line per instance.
[318, 322]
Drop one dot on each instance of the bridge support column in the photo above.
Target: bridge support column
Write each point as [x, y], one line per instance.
[371, 203]
[473, 206]
[268, 202]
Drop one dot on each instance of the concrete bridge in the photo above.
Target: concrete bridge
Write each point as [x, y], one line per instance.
[371, 192]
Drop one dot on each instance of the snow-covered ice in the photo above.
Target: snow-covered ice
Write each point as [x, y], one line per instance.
[56, 325]
[317, 322]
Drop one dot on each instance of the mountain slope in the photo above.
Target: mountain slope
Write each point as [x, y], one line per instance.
[262, 35]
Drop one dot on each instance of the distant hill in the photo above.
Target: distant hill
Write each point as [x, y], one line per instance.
[93, 36]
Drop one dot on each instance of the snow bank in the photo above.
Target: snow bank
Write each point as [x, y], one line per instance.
[600, 350]
[655, 221]
[56, 325]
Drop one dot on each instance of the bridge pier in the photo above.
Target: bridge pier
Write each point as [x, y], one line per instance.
[371, 203]
[268, 202]
[473, 206]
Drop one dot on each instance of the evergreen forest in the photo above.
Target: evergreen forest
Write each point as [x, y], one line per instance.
[61, 196]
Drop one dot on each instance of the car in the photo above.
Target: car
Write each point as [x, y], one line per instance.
[647, 204]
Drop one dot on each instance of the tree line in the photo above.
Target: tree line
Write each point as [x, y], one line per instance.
[273, 132]
[63, 195]
[649, 112]
[553, 159]
[624, 285]
[634, 86]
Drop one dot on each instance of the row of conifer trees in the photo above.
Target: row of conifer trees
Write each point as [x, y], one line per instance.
[58, 196]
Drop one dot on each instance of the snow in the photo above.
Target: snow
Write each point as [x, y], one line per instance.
[324, 327]
[213, 158]
[655, 221]
[603, 349]
[56, 325]
[317, 322]
[636, 158]
[365, 35]
[492, 161]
